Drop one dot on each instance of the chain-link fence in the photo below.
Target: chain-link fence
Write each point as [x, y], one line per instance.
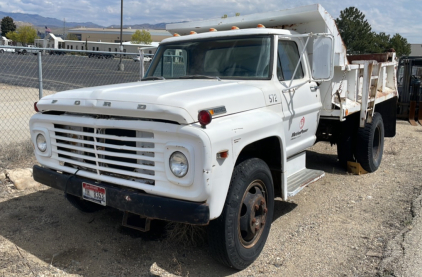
[22, 75]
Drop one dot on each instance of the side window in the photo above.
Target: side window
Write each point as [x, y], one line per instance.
[288, 57]
[401, 73]
[172, 64]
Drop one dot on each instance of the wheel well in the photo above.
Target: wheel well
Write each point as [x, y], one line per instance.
[268, 150]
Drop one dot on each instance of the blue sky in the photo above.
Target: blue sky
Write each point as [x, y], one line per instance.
[389, 16]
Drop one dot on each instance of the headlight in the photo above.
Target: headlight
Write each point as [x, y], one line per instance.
[41, 143]
[179, 164]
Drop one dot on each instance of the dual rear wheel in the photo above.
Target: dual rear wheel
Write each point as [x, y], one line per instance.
[366, 145]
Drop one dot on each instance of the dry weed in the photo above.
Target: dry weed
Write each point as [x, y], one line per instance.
[14, 153]
[186, 234]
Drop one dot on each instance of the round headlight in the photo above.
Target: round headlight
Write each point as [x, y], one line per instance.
[41, 143]
[179, 164]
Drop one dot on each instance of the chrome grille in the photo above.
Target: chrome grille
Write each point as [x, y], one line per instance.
[121, 153]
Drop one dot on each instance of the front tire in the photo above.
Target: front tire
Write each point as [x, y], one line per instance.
[237, 237]
[370, 144]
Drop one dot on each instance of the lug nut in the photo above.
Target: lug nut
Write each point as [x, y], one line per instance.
[253, 220]
[256, 207]
[262, 202]
[265, 210]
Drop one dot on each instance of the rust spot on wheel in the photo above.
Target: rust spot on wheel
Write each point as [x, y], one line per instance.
[252, 214]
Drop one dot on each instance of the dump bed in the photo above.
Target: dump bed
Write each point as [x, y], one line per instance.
[358, 83]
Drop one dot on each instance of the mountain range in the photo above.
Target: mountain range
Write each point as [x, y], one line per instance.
[41, 21]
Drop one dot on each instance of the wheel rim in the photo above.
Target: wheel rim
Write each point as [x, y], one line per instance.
[376, 149]
[252, 214]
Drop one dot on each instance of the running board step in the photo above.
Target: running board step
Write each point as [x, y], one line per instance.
[299, 180]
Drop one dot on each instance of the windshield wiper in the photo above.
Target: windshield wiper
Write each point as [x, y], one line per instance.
[199, 77]
[153, 78]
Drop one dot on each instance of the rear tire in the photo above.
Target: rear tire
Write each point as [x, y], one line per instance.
[370, 144]
[83, 205]
[237, 237]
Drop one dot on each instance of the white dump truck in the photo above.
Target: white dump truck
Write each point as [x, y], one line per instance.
[219, 125]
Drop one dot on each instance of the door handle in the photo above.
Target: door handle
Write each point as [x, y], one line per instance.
[313, 88]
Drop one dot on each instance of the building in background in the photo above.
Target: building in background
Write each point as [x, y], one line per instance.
[415, 49]
[53, 42]
[5, 41]
[113, 34]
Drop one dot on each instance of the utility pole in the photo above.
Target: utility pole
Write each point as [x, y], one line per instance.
[64, 28]
[121, 65]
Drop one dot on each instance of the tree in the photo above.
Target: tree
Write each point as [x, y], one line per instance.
[23, 34]
[224, 16]
[400, 44]
[7, 25]
[141, 37]
[13, 36]
[71, 37]
[237, 14]
[381, 43]
[359, 39]
[355, 31]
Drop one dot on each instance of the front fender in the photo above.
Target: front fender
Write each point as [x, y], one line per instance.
[234, 133]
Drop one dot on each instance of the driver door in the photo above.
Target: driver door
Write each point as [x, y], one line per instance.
[301, 100]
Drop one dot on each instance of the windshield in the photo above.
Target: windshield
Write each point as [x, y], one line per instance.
[225, 58]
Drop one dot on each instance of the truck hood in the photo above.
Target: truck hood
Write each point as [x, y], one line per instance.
[174, 100]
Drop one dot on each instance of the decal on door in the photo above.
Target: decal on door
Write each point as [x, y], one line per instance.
[302, 123]
[295, 135]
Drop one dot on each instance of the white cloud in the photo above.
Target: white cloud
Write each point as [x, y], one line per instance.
[393, 16]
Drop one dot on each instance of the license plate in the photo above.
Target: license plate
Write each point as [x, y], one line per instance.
[94, 193]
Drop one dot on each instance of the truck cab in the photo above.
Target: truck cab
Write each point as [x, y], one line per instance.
[262, 60]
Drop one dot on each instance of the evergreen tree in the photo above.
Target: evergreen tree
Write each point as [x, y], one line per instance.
[381, 43]
[355, 31]
[399, 43]
[7, 25]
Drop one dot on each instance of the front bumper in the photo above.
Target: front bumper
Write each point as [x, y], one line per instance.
[146, 205]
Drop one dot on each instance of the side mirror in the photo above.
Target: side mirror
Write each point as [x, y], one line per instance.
[323, 58]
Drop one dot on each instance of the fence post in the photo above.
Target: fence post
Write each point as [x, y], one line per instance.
[141, 62]
[40, 75]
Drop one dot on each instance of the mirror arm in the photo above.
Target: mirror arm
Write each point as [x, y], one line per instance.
[300, 59]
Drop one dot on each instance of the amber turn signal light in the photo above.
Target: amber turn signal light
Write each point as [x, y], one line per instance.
[224, 154]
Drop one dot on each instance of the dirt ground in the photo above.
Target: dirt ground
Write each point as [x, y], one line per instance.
[338, 226]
